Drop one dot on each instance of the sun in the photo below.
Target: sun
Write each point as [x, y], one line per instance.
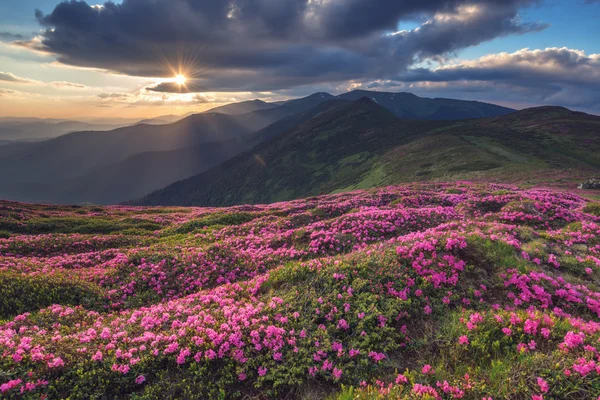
[180, 79]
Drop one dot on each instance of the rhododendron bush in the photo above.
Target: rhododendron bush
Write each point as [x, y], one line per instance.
[441, 291]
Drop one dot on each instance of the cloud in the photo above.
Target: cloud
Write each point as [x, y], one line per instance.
[557, 76]
[68, 85]
[467, 26]
[203, 99]
[12, 78]
[5, 92]
[172, 101]
[553, 75]
[260, 45]
[9, 37]
[117, 96]
[191, 86]
[560, 65]
[142, 98]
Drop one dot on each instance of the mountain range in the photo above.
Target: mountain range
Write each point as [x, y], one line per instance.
[362, 144]
[12, 129]
[255, 151]
[410, 106]
[37, 129]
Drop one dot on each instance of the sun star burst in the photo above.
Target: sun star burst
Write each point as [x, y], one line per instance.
[180, 80]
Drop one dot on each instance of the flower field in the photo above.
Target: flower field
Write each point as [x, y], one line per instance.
[424, 291]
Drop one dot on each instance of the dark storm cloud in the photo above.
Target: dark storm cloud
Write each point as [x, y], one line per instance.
[269, 44]
[471, 26]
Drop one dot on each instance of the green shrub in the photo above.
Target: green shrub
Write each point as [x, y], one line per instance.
[30, 293]
[318, 212]
[479, 165]
[217, 219]
[83, 224]
[592, 208]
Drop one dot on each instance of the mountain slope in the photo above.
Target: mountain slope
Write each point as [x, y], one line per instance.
[410, 106]
[335, 145]
[143, 173]
[361, 145]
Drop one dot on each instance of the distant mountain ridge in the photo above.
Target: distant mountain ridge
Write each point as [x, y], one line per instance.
[38, 129]
[410, 106]
[243, 107]
[31, 130]
[77, 153]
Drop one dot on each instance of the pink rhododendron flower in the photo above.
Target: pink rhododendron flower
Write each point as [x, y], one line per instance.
[427, 369]
[337, 373]
[543, 385]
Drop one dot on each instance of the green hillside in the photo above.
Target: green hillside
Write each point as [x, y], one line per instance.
[361, 145]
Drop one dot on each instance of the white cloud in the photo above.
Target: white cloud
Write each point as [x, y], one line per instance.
[12, 78]
[68, 85]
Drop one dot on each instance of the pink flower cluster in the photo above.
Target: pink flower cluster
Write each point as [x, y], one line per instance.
[362, 267]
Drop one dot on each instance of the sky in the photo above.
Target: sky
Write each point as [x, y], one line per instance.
[142, 58]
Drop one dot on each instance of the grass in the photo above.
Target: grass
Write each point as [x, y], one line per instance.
[83, 225]
[22, 293]
[592, 208]
[475, 166]
[215, 220]
[495, 254]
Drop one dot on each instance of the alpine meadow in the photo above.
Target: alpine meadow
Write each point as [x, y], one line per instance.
[300, 199]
